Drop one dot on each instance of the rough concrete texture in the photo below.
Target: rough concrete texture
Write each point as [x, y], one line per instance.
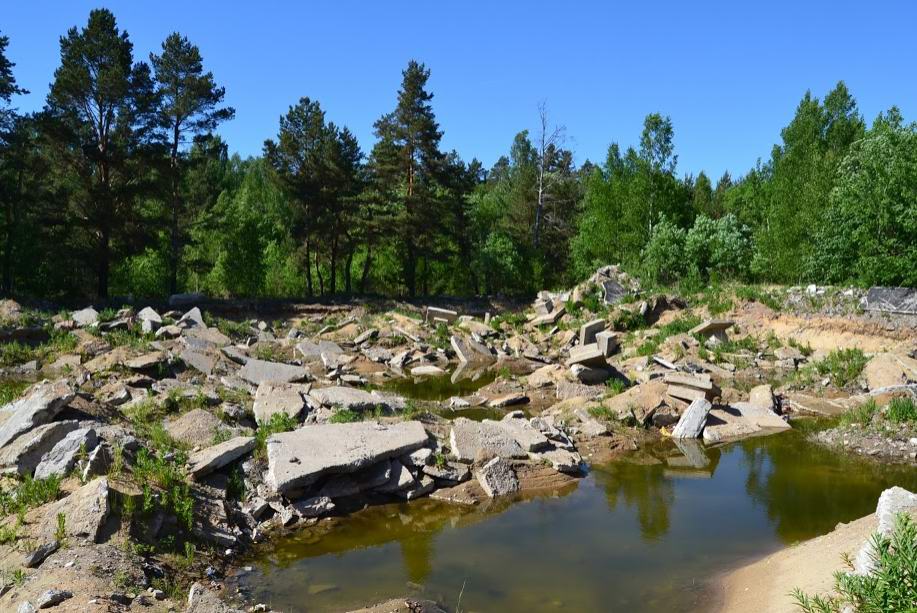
[271, 398]
[691, 423]
[260, 371]
[217, 456]
[39, 406]
[477, 441]
[297, 459]
[497, 478]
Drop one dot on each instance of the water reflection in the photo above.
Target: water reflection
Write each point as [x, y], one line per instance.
[461, 382]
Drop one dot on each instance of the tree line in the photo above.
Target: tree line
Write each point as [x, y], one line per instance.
[119, 186]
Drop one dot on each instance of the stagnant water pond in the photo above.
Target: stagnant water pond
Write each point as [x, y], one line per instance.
[642, 534]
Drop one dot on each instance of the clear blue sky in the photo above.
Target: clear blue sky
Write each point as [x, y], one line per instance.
[728, 73]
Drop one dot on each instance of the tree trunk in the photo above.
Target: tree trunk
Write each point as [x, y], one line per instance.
[104, 258]
[308, 268]
[348, 288]
[366, 265]
[332, 282]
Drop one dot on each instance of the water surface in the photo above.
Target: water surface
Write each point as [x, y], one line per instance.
[642, 534]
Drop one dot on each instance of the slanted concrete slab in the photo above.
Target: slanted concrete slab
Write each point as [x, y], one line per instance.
[550, 318]
[297, 459]
[727, 423]
[86, 510]
[271, 398]
[691, 423]
[38, 406]
[522, 431]
[26, 451]
[355, 399]
[712, 327]
[62, 457]
[892, 300]
[607, 342]
[260, 371]
[469, 350]
[434, 313]
[762, 417]
[587, 355]
[472, 441]
[199, 360]
[217, 456]
[588, 331]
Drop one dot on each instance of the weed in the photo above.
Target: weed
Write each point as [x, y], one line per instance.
[902, 410]
[757, 294]
[134, 337]
[279, 422]
[441, 336]
[615, 386]
[860, 416]
[232, 329]
[11, 389]
[235, 484]
[627, 320]
[18, 353]
[805, 350]
[345, 416]
[60, 533]
[8, 534]
[842, 366]
[30, 493]
[439, 458]
[117, 460]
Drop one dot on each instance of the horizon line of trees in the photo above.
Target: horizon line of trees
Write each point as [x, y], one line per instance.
[120, 186]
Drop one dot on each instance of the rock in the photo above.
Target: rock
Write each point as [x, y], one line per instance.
[202, 600]
[550, 318]
[607, 342]
[195, 427]
[52, 598]
[690, 387]
[587, 355]
[470, 351]
[201, 362]
[217, 456]
[453, 472]
[712, 327]
[760, 416]
[726, 423]
[147, 361]
[692, 421]
[497, 478]
[400, 478]
[888, 370]
[640, 401]
[472, 441]
[26, 451]
[355, 399]
[588, 331]
[61, 459]
[567, 462]
[375, 476]
[365, 336]
[25, 607]
[892, 300]
[41, 403]
[427, 371]
[313, 507]
[34, 558]
[519, 428]
[762, 396]
[508, 400]
[892, 501]
[434, 314]
[313, 352]
[86, 511]
[547, 375]
[590, 427]
[85, 317]
[150, 320]
[297, 459]
[192, 319]
[271, 398]
[260, 371]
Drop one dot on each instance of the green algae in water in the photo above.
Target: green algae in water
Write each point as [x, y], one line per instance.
[440, 387]
[639, 534]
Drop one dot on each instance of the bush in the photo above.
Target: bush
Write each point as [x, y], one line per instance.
[902, 410]
[664, 255]
[718, 248]
[842, 366]
[891, 587]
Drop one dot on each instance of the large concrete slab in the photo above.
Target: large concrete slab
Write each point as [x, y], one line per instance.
[691, 423]
[587, 355]
[471, 441]
[355, 399]
[217, 456]
[274, 398]
[259, 371]
[297, 459]
[892, 300]
[39, 406]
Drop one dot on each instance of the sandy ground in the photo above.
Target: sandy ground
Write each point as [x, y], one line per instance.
[765, 585]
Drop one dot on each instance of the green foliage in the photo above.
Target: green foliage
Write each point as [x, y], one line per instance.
[60, 532]
[345, 416]
[891, 587]
[165, 472]
[902, 411]
[11, 389]
[279, 422]
[58, 343]
[29, 493]
[752, 293]
[861, 415]
[842, 366]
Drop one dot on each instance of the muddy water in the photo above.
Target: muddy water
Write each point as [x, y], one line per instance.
[441, 387]
[643, 534]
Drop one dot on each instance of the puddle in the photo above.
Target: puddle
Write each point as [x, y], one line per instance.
[441, 387]
[637, 535]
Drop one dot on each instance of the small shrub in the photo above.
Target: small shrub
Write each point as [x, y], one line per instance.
[60, 533]
[11, 389]
[842, 366]
[615, 386]
[279, 422]
[345, 416]
[30, 493]
[751, 293]
[902, 411]
[861, 415]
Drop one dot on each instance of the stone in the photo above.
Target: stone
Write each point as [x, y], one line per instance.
[550, 318]
[170, 331]
[365, 336]
[85, 317]
[470, 351]
[712, 327]
[888, 370]
[612, 292]
[150, 320]
[589, 375]
[588, 331]
[519, 428]
[400, 478]
[205, 338]
[607, 342]
[297, 459]
[147, 361]
[587, 355]
[202, 600]
[892, 501]
[355, 399]
[271, 398]
[195, 427]
[340, 486]
[41, 403]
[213, 458]
[26, 451]
[497, 478]
[259, 371]
[761, 417]
[431, 314]
[454, 472]
[86, 510]
[427, 370]
[562, 460]
[201, 362]
[892, 300]
[727, 423]
[691, 423]
[52, 598]
[472, 441]
[34, 558]
[192, 319]
[762, 396]
[313, 507]
[62, 458]
[508, 400]
[546, 375]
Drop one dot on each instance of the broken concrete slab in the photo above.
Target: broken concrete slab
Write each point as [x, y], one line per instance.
[607, 342]
[562, 460]
[469, 350]
[589, 375]
[508, 400]
[431, 314]
[63, 456]
[691, 423]
[315, 506]
[892, 300]
[888, 370]
[355, 399]
[203, 339]
[297, 459]
[86, 510]
[427, 370]
[287, 398]
[199, 361]
[365, 336]
[195, 427]
[550, 318]
[726, 423]
[312, 352]
[340, 486]
[192, 319]
[497, 478]
[150, 320]
[587, 355]
[588, 331]
[892, 501]
[85, 317]
[762, 417]
[41, 403]
[147, 361]
[261, 371]
[24, 453]
[453, 472]
[518, 427]
[472, 441]
[712, 327]
[213, 458]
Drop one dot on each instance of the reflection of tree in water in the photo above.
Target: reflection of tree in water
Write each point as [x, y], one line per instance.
[806, 488]
[417, 553]
[641, 485]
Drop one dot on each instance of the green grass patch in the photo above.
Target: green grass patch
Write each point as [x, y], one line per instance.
[279, 422]
[58, 342]
[11, 389]
[345, 416]
[29, 493]
[861, 416]
[902, 411]
[842, 366]
[751, 293]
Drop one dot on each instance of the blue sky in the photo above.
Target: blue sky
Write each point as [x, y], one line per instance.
[728, 73]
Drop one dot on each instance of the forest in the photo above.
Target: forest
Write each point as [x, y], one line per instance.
[120, 186]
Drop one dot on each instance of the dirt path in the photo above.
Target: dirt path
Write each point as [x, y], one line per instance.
[765, 585]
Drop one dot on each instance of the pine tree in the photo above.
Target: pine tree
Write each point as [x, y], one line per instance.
[188, 107]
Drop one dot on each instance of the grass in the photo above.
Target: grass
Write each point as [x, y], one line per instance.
[805, 350]
[615, 386]
[842, 366]
[345, 416]
[892, 586]
[279, 422]
[680, 325]
[167, 473]
[11, 389]
[902, 411]
[134, 338]
[627, 320]
[516, 321]
[58, 342]
[441, 336]
[232, 329]
[29, 493]
[752, 293]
